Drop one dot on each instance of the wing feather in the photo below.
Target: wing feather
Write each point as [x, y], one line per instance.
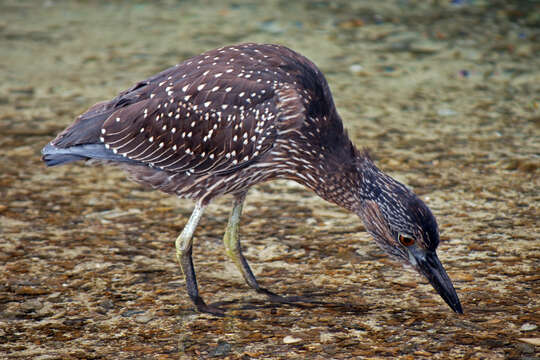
[205, 120]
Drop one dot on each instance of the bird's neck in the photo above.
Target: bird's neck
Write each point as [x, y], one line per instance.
[344, 178]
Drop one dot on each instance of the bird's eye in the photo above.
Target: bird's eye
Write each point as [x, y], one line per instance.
[405, 240]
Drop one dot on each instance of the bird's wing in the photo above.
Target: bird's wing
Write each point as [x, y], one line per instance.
[216, 123]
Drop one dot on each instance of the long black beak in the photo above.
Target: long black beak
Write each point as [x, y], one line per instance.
[429, 265]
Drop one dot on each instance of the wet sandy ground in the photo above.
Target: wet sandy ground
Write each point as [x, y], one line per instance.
[445, 95]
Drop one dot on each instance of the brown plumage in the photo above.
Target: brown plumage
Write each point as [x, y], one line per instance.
[232, 117]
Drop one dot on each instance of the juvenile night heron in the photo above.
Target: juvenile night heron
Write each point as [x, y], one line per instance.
[236, 116]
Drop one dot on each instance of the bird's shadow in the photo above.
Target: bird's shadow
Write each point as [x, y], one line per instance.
[234, 308]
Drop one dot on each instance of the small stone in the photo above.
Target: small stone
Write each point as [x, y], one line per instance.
[472, 55]
[271, 27]
[31, 305]
[30, 290]
[356, 68]
[532, 341]
[130, 313]
[291, 340]
[326, 337]
[25, 90]
[525, 348]
[21, 151]
[222, 349]
[525, 50]
[528, 327]
[446, 112]
[426, 47]
[143, 319]
[463, 277]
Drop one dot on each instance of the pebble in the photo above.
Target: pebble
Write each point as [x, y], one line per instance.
[446, 112]
[525, 50]
[130, 313]
[525, 348]
[528, 327]
[31, 305]
[271, 27]
[532, 341]
[326, 337]
[471, 54]
[463, 277]
[28, 90]
[222, 349]
[143, 319]
[291, 339]
[426, 47]
[356, 68]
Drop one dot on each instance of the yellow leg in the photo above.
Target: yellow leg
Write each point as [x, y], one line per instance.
[234, 250]
[184, 244]
[233, 247]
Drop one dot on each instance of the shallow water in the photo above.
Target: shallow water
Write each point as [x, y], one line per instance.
[445, 94]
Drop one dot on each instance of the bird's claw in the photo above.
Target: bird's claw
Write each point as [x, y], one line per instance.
[202, 307]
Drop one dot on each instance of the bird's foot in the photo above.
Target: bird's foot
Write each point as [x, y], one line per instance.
[202, 307]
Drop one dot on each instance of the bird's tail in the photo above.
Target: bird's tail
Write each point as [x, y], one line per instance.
[53, 155]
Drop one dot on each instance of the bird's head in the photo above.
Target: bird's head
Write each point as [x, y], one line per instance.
[404, 227]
